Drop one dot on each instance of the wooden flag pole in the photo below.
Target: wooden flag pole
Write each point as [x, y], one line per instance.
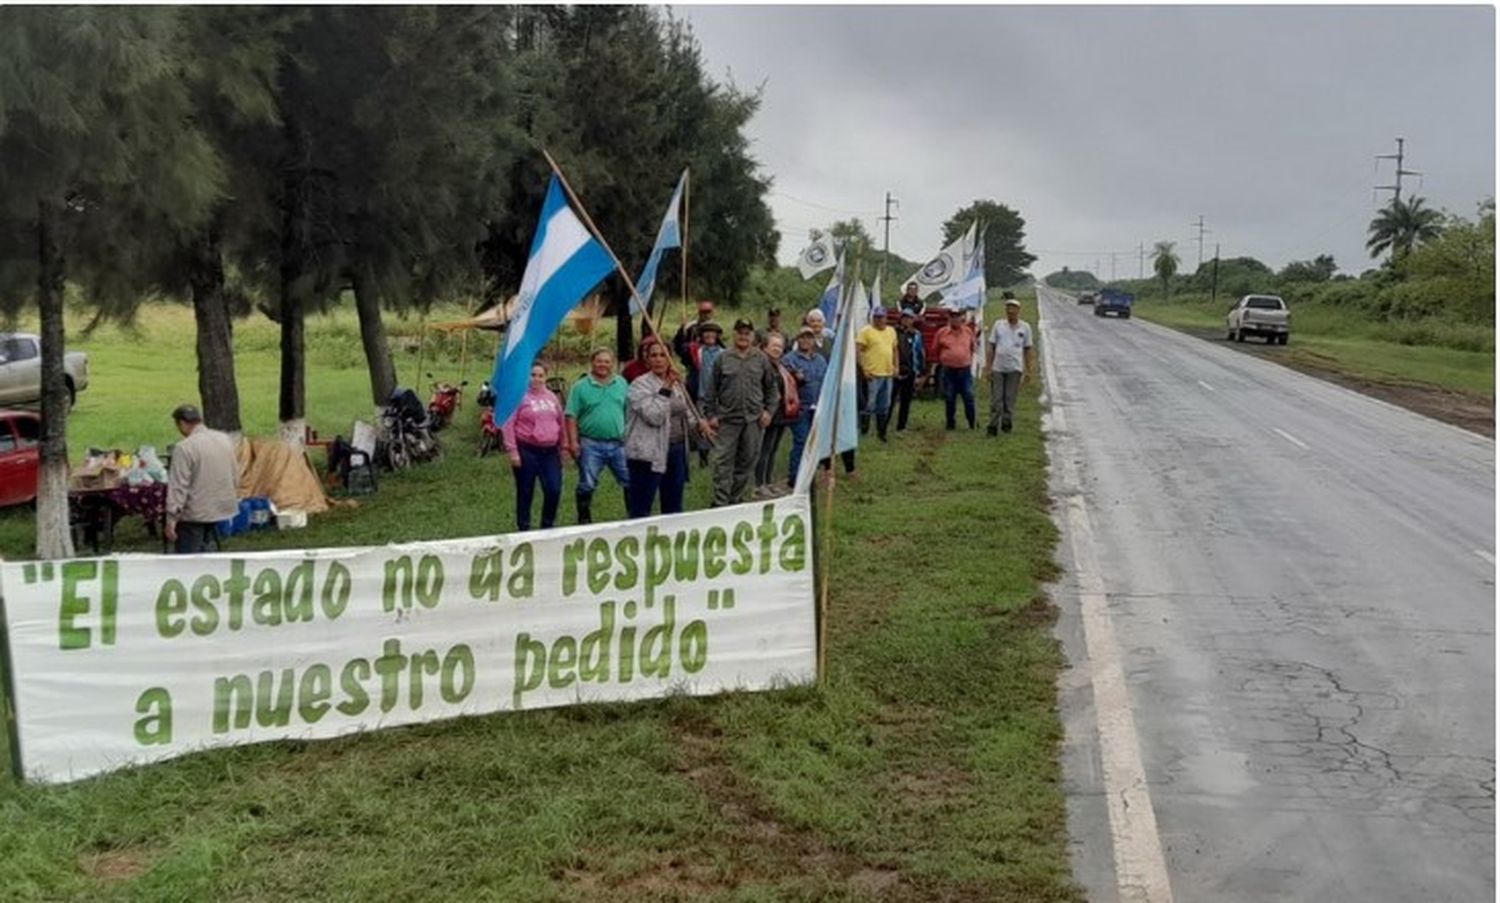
[620, 268]
[825, 561]
[687, 210]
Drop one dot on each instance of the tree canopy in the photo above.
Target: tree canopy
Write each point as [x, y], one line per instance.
[1005, 254]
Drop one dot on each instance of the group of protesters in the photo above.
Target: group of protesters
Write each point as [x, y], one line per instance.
[731, 405]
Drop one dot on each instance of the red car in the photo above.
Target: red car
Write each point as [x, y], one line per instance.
[20, 433]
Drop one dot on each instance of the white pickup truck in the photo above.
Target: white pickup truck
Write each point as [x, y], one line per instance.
[1262, 315]
[21, 370]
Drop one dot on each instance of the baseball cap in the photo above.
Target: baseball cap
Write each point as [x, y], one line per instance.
[711, 326]
[742, 324]
[805, 331]
[878, 312]
[186, 413]
[1012, 302]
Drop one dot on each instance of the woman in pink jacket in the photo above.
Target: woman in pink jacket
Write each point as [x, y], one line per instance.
[533, 442]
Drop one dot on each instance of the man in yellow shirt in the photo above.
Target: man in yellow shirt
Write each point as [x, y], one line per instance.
[878, 360]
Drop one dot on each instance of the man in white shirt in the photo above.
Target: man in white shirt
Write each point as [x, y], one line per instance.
[1011, 360]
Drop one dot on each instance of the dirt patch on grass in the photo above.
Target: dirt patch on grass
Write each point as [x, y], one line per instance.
[1468, 411]
[115, 865]
[754, 846]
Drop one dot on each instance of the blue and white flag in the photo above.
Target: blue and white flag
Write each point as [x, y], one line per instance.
[875, 290]
[829, 303]
[969, 294]
[566, 263]
[841, 392]
[667, 237]
[816, 257]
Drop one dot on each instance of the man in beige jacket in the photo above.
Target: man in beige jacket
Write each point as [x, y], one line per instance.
[202, 482]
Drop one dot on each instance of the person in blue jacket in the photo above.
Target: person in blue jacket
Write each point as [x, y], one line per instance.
[808, 367]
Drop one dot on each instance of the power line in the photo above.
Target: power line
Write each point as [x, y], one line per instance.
[798, 200]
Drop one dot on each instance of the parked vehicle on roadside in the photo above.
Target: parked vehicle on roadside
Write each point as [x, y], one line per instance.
[1113, 301]
[405, 434]
[446, 399]
[20, 435]
[1086, 298]
[21, 369]
[1260, 315]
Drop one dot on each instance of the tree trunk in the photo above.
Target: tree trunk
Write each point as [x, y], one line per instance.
[624, 328]
[54, 538]
[293, 400]
[217, 387]
[372, 334]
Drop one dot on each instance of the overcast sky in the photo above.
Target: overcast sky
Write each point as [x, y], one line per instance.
[1110, 126]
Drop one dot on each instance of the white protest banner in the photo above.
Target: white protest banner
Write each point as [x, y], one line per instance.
[121, 661]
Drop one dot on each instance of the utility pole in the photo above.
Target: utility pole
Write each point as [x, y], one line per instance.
[1201, 230]
[1400, 157]
[1112, 256]
[1140, 251]
[1213, 294]
[886, 251]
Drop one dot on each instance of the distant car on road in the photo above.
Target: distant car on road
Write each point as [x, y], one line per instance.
[20, 434]
[21, 369]
[1263, 315]
[1114, 301]
[1086, 298]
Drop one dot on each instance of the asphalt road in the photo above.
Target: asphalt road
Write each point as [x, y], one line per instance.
[1297, 585]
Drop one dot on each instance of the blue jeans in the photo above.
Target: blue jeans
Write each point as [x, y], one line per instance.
[958, 381]
[538, 464]
[593, 456]
[879, 395]
[645, 483]
[800, 428]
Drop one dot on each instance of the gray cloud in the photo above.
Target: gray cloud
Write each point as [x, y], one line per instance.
[1108, 127]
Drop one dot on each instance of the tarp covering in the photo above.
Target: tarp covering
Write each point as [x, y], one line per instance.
[270, 468]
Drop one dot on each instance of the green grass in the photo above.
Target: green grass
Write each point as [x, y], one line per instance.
[1343, 342]
[925, 768]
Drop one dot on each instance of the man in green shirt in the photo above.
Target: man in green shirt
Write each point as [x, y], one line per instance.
[596, 429]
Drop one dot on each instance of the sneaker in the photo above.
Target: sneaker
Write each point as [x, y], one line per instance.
[1005, 427]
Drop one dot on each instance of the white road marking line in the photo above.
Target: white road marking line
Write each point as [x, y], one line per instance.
[1290, 438]
[1485, 555]
[1207, 386]
[1140, 867]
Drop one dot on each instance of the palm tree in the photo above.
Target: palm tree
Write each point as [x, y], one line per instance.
[1164, 262]
[1402, 226]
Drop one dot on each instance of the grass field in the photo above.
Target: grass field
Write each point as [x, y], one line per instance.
[1343, 343]
[925, 767]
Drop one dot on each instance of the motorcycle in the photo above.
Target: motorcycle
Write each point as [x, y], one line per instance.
[405, 432]
[490, 438]
[446, 398]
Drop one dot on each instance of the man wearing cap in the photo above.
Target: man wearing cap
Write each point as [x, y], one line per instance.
[808, 368]
[954, 345]
[878, 363]
[1011, 360]
[682, 343]
[203, 482]
[912, 363]
[743, 391]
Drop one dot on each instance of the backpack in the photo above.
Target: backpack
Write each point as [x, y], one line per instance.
[791, 402]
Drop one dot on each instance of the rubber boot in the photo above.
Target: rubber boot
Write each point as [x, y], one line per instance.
[585, 508]
[882, 424]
